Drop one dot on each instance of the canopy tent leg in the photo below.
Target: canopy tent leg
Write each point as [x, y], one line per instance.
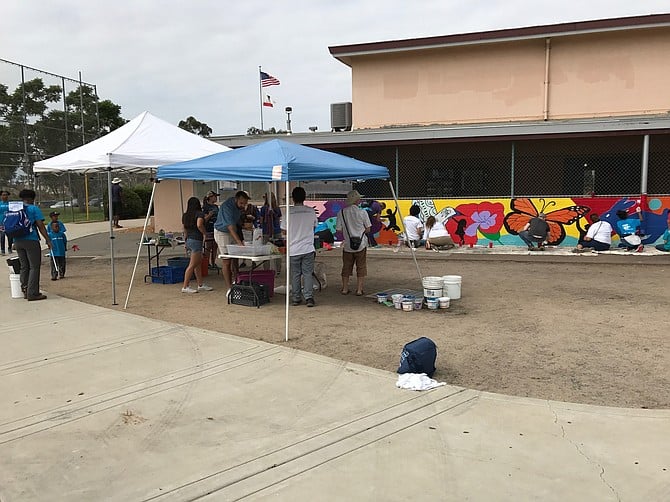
[111, 226]
[397, 205]
[288, 261]
[139, 246]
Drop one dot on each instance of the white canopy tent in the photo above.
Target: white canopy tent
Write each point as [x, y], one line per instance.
[142, 144]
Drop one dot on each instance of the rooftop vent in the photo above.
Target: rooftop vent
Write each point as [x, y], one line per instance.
[340, 117]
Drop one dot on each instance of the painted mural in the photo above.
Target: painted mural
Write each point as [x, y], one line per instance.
[498, 221]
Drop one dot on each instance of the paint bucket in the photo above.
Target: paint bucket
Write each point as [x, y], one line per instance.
[432, 303]
[432, 287]
[452, 286]
[444, 302]
[418, 303]
[397, 301]
[408, 305]
[382, 297]
[15, 285]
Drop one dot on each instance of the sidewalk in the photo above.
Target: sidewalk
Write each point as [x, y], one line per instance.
[104, 405]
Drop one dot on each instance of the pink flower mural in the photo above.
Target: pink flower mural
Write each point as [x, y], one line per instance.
[485, 218]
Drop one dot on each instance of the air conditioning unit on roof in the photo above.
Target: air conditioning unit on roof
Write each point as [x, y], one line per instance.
[340, 117]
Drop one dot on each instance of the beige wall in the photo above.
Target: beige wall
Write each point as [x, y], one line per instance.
[617, 73]
[167, 207]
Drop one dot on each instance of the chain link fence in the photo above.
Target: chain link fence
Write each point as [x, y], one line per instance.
[562, 167]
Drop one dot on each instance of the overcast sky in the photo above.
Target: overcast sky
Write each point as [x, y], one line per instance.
[177, 58]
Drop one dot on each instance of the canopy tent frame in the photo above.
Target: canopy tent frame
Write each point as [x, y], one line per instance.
[140, 145]
[275, 161]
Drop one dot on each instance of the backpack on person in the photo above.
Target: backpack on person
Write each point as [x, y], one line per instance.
[17, 223]
[418, 357]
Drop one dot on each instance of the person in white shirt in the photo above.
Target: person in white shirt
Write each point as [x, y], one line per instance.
[413, 227]
[598, 237]
[353, 221]
[437, 236]
[303, 222]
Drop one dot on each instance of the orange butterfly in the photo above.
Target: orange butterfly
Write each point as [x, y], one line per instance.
[524, 209]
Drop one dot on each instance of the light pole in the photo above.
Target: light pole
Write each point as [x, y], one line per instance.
[288, 111]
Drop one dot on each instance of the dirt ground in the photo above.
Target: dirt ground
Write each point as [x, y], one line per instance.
[572, 330]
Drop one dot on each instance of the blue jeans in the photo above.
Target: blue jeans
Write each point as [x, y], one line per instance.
[302, 266]
[529, 239]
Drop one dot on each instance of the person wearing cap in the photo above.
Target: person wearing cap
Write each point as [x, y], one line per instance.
[536, 230]
[117, 201]
[300, 237]
[56, 230]
[353, 221]
[225, 229]
[211, 211]
[28, 247]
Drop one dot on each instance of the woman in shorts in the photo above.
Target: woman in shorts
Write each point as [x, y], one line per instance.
[194, 231]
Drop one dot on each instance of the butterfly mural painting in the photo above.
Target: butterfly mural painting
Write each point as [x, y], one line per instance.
[523, 210]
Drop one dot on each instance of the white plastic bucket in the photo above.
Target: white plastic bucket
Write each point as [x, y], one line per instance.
[15, 285]
[408, 305]
[444, 302]
[452, 286]
[432, 303]
[432, 293]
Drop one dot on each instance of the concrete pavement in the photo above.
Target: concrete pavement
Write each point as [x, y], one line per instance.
[100, 404]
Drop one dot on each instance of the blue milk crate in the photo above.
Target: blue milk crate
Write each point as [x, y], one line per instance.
[167, 275]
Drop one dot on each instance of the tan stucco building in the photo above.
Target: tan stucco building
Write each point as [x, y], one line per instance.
[604, 68]
[557, 110]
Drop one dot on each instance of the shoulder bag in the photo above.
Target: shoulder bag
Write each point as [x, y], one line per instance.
[354, 242]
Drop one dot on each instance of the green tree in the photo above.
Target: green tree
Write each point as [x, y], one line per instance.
[191, 124]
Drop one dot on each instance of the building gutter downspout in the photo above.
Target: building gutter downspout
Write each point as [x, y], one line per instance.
[547, 51]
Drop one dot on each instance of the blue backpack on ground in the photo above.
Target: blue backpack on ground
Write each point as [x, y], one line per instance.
[418, 357]
[17, 223]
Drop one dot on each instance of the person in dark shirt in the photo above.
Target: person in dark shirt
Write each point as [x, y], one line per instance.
[536, 230]
[194, 231]
[117, 201]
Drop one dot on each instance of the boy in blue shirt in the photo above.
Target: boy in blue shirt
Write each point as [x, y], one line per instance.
[629, 230]
[4, 207]
[56, 230]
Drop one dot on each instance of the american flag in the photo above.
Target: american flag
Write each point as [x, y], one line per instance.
[267, 80]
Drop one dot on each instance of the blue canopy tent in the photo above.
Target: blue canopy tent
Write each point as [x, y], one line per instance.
[275, 160]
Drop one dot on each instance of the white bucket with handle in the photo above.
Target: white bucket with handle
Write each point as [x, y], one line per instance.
[15, 285]
[452, 286]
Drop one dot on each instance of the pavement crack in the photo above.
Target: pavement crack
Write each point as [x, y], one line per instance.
[576, 446]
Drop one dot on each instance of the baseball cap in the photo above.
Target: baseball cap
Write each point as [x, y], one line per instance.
[54, 213]
[211, 192]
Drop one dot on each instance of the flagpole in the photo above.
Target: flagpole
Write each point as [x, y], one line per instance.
[260, 95]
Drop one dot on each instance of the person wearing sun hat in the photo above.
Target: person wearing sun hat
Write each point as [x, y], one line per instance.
[117, 201]
[353, 221]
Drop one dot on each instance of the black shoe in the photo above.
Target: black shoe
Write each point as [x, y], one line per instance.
[54, 278]
[37, 298]
[296, 302]
[309, 302]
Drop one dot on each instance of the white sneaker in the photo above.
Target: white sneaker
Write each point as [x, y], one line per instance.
[205, 287]
[189, 289]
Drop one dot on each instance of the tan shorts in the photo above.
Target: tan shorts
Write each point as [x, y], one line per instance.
[222, 240]
[359, 258]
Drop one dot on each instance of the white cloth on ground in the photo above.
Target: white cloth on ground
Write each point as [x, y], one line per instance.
[417, 381]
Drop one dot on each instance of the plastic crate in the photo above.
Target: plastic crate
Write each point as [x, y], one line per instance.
[248, 294]
[264, 277]
[167, 275]
[262, 250]
[178, 262]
